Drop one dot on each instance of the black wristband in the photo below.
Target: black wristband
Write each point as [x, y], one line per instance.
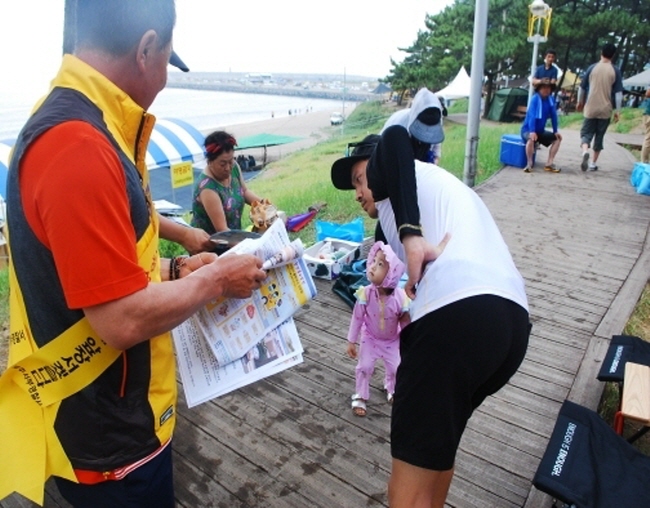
[172, 264]
[409, 229]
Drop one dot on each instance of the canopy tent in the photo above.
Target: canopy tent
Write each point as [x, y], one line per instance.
[641, 80]
[458, 88]
[571, 80]
[264, 140]
[505, 101]
[173, 141]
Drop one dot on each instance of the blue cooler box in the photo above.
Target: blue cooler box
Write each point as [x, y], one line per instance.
[513, 151]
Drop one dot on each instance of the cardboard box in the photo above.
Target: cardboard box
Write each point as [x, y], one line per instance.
[345, 252]
[513, 151]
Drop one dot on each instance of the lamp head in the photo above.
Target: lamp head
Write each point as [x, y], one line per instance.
[538, 8]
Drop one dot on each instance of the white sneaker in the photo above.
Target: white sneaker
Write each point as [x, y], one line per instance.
[592, 167]
[585, 160]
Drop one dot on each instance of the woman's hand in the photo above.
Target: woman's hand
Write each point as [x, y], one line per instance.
[196, 240]
[419, 253]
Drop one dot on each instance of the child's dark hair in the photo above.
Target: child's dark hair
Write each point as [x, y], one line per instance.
[217, 143]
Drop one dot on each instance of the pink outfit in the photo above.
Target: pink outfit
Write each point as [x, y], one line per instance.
[375, 319]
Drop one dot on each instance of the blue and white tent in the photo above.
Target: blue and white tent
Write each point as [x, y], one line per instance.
[173, 141]
[5, 148]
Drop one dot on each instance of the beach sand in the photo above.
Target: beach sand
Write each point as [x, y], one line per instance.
[312, 128]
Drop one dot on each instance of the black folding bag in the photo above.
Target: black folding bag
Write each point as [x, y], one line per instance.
[351, 278]
[588, 465]
[623, 349]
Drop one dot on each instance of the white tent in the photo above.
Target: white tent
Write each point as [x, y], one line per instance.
[641, 79]
[458, 88]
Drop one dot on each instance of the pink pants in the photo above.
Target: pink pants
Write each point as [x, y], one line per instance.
[370, 350]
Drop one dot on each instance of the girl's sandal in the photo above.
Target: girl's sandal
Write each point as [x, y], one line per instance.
[389, 398]
[358, 405]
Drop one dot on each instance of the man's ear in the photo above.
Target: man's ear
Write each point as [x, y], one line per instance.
[146, 48]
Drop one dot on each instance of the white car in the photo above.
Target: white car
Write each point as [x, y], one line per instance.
[336, 118]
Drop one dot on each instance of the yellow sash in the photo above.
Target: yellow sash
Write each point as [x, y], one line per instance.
[37, 380]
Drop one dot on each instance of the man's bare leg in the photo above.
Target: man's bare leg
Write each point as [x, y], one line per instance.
[415, 487]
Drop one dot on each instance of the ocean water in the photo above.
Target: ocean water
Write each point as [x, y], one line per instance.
[203, 109]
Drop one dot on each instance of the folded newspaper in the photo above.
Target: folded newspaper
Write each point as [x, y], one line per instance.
[230, 343]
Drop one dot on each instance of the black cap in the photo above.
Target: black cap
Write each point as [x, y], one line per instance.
[342, 168]
[176, 61]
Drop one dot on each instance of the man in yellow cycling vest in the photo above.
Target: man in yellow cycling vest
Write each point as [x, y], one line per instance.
[89, 396]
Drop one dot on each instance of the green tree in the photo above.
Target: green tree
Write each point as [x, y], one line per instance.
[579, 28]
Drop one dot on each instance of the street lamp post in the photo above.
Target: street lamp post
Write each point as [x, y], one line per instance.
[539, 16]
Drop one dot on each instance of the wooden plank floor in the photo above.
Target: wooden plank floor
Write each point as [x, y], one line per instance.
[578, 238]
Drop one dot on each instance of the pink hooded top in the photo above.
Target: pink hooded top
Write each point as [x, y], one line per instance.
[375, 315]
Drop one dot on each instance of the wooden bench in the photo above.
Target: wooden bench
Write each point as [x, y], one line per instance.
[636, 393]
[520, 112]
[635, 403]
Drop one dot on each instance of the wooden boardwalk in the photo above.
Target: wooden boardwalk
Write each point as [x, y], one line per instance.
[580, 241]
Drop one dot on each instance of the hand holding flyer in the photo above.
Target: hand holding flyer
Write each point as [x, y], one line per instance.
[215, 347]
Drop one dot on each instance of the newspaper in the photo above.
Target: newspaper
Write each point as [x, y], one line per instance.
[232, 326]
[203, 378]
[230, 343]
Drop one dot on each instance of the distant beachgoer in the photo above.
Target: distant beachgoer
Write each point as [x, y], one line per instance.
[602, 85]
[221, 193]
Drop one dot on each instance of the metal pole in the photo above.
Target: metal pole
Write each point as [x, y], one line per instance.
[533, 65]
[476, 89]
[342, 127]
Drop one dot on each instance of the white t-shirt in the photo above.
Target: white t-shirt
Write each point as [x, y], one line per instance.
[476, 260]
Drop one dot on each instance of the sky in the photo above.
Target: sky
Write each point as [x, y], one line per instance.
[357, 37]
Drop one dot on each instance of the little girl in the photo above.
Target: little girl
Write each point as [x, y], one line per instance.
[380, 312]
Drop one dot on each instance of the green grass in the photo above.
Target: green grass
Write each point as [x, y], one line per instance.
[630, 119]
[303, 178]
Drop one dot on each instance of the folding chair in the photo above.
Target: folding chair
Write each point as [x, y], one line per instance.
[587, 465]
[623, 349]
